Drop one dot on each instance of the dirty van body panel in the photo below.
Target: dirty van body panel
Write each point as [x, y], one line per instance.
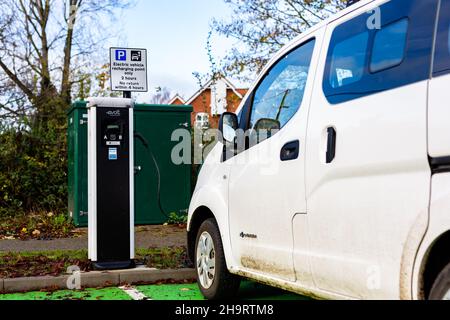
[439, 224]
[267, 187]
[438, 148]
[378, 184]
[439, 95]
[211, 193]
[439, 128]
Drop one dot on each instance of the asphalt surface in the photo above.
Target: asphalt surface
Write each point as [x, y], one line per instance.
[146, 237]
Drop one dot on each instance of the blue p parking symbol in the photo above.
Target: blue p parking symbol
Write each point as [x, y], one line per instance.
[121, 55]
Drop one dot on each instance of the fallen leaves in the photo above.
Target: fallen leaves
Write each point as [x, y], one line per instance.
[55, 263]
[40, 226]
[15, 265]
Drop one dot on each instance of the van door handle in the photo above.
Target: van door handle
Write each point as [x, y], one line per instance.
[331, 145]
[290, 151]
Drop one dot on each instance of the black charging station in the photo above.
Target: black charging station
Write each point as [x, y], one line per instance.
[111, 183]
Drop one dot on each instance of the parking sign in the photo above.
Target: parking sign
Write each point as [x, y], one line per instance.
[121, 55]
[128, 69]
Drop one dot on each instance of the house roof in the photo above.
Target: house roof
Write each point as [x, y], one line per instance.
[208, 85]
[175, 98]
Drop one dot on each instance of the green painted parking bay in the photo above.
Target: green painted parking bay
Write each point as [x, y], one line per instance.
[248, 291]
[88, 294]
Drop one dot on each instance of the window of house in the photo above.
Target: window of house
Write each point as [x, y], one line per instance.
[280, 94]
[389, 46]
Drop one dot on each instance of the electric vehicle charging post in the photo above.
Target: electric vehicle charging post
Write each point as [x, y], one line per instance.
[111, 183]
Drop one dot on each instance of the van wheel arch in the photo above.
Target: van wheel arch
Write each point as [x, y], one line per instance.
[200, 215]
[437, 259]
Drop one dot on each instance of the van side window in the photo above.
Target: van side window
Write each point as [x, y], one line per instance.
[442, 53]
[389, 46]
[280, 93]
[365, 59]
[348, 60]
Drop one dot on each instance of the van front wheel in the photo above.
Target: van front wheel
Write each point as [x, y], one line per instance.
[213, 278]
[441, 287]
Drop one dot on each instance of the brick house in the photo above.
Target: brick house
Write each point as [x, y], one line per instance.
[177, 100]
[213, 99]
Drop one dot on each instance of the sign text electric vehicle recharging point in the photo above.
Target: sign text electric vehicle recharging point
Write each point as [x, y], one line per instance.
[128, 70]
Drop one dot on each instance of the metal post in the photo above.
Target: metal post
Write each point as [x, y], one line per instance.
[127, 94]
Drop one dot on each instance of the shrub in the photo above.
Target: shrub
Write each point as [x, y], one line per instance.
[33, 170]
[175, 218]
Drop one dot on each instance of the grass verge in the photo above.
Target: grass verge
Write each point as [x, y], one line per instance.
[41, 226]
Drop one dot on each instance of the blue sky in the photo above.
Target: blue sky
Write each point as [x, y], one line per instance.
[175, 34]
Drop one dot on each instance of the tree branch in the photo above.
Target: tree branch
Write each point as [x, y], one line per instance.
[17, 81]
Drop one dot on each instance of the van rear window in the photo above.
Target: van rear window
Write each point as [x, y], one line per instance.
[449, 38]
[442, 53]
[389, 46]
[348, 60]
[363, 60]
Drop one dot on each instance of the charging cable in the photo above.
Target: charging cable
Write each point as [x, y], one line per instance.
[158, 172]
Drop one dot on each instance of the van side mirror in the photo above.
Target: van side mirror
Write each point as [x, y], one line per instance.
[228, 124]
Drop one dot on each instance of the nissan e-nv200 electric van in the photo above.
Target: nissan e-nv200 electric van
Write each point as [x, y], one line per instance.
[333, 177]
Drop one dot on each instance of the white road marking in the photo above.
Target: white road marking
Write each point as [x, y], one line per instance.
[134, 293]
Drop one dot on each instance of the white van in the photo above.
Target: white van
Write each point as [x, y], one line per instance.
[348, 195]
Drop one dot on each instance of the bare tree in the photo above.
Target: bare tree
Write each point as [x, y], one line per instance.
[162, 96]
[48, 54]
[39, 42]
[262, 27]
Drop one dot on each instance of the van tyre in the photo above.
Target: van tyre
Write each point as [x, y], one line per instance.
[441, 287]
[213, 278]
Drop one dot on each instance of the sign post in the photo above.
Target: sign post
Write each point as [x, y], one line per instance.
[128, 69]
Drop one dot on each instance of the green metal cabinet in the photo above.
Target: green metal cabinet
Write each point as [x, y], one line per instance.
[77, 158]
[155, 123]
